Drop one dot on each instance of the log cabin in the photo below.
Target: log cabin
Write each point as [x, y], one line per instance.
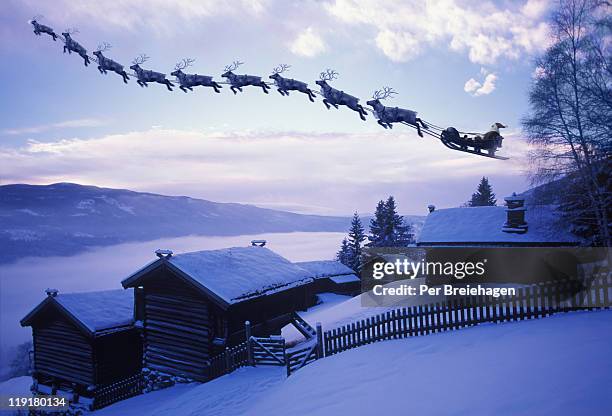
[83, 343]
[192, 306]
[523, 242]
[332, 276]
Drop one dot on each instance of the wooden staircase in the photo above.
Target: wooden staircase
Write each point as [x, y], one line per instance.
[304, 327]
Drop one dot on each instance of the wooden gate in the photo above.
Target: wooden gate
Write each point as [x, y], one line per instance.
[268, 351]
[300, 356]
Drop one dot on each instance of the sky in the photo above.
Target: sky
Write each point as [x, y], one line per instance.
[458, 63]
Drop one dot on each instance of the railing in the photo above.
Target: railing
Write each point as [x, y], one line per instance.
[129, 387]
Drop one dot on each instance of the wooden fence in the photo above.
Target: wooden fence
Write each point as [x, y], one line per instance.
[529, 303]
[532, 302]
[229, 360]
[129, 387]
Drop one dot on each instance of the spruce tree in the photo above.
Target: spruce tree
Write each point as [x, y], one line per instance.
[356, 237]
[378, 226]
[483, 196]
[344, 256]
[399, 233]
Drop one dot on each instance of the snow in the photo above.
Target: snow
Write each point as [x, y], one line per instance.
[230, 395]
[18, 386]
[484, 225]
[558, 365]
[100, 310]
[325, 301]
[238, 273]
[347, 278]
[352, 309]
[325, 268]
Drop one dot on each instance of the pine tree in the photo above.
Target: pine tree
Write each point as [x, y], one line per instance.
[345, 256]
[356, 237]
[387, 228]
[483, 196]
[378, 226]
[399, 233]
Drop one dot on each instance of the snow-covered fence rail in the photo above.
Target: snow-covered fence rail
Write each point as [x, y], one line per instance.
[529, 303]
[132, 386]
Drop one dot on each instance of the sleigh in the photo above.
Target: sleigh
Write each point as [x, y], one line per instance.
[483, 145]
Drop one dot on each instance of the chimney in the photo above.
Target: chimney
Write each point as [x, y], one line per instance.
[515, 215]
[431, 208]
[51, 292]
[258, 243]
[163, 254]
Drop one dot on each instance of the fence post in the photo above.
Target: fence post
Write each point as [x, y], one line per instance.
[247, 330]
[228, 362]
[320, 351]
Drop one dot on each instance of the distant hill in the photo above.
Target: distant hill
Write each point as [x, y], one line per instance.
[65, 218]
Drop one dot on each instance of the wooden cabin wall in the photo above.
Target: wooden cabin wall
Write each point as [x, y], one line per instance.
[118, 356]
[62, 351]
[265, 308]
[176, 327]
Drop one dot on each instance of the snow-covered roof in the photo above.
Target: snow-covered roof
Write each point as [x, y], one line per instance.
[345, 278]
[484, 225]
[234, 274]
[94, 311]
[325, 268]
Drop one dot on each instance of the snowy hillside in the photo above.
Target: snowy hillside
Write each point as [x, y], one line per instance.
[559, 365]
[64, 218]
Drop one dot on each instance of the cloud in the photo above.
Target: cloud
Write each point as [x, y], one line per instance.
[263, 167]
[132, 14]
[398, 46]
[477, 88]
[83, 122]
[485, 31]
[308, 43]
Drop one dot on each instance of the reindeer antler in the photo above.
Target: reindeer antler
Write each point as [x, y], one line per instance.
[233, 66]
[386, 92]
[184, 63]
[140, 59]
[37, 17]
[72, 30]
[104, 46]
[281, 68]
[328, 75]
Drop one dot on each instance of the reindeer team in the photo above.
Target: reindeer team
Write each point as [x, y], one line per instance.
[331, 96]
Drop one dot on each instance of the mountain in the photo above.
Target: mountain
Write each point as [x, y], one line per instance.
[65, 218]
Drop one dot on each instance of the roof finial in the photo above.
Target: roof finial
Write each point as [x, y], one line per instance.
[51, 292]
[163, 253]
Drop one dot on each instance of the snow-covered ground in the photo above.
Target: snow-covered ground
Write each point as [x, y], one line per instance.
[335, 314]
[230, 395]
[554, 366]
[558, 365]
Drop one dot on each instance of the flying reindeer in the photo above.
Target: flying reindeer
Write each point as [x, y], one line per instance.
[239, 81]
[336, 97]
[38, 28]
[287, 84]
[106, 64]
[145, 75]
[388, 115]
[188, 81]
[74, 46]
